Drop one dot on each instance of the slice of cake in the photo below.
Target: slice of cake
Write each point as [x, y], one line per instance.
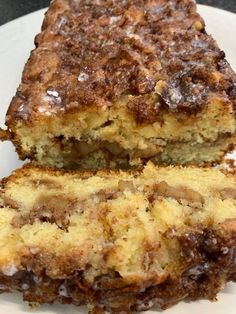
[114, 83]
[117, 241]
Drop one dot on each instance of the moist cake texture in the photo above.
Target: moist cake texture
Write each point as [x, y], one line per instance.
[117, 241]
[114, 83]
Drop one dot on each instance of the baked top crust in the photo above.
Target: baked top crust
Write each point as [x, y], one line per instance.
[89, 54]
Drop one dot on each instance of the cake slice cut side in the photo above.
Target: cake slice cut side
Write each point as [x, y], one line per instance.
[117, 241]
[114, 84]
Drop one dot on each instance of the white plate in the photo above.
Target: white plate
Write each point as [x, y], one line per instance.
[16, 42]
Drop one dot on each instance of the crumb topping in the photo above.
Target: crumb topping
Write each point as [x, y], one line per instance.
[92, 53]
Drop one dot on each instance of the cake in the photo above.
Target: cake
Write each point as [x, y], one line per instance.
[112, 84]
[117, 241]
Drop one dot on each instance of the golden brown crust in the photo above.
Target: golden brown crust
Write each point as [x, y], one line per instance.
[30, 167]
[5, 135]
[91, 53]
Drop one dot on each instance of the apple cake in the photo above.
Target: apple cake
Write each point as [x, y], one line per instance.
[112, 84]
[117, 241]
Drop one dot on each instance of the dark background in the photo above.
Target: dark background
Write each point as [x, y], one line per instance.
[11, 9]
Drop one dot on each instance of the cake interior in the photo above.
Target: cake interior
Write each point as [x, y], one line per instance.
[113, 139]
[117, 240]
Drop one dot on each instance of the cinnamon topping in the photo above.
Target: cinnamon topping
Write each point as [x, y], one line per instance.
[93, 53]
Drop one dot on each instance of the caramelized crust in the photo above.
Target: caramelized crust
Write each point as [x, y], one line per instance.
[89, 54]
[117, 241]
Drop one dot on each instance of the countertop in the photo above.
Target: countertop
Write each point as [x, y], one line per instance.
[11, 9]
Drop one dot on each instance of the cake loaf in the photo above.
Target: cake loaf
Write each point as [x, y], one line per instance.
[117, 241]
[112, 84]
